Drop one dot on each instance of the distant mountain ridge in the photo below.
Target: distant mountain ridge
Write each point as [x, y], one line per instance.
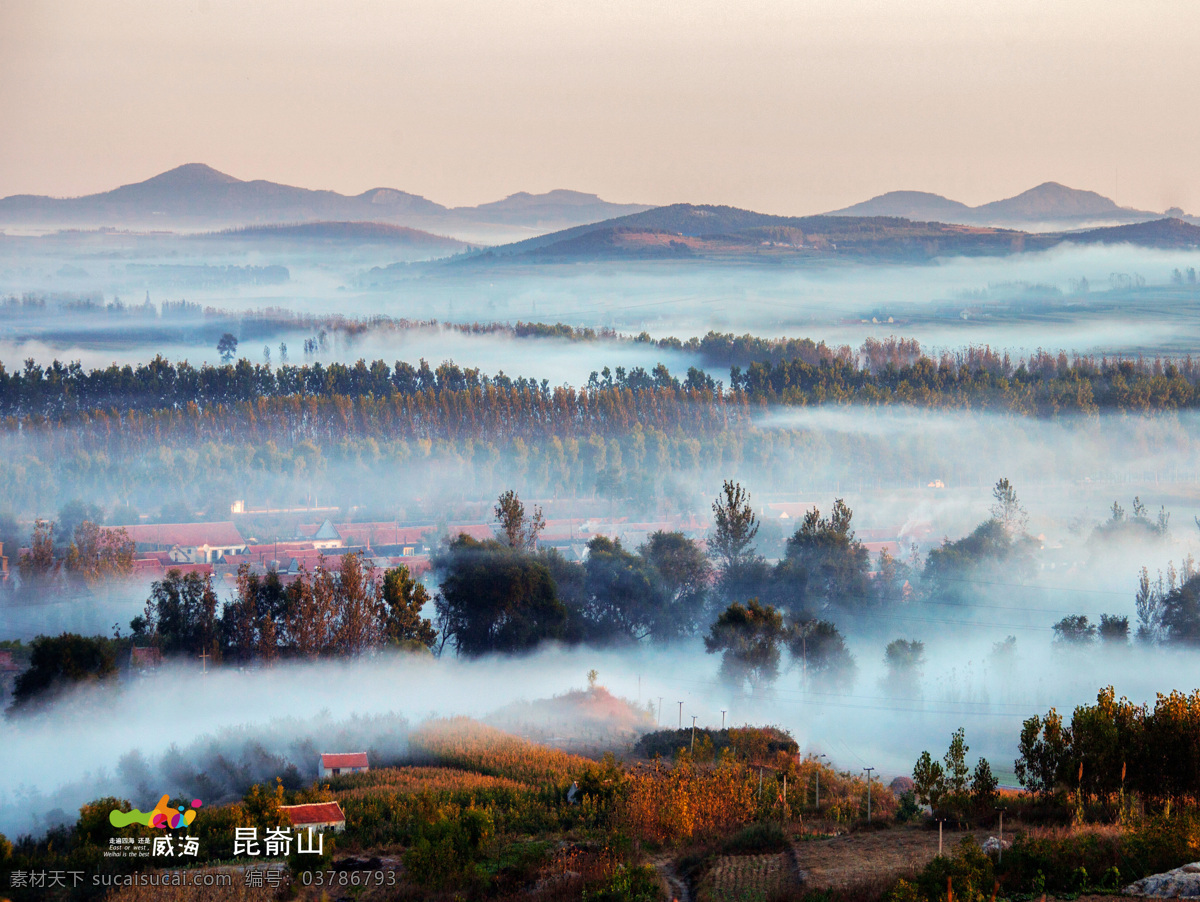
[1050, 203]
[197, 196]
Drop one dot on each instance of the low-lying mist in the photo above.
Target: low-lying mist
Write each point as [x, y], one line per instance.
[212, 735]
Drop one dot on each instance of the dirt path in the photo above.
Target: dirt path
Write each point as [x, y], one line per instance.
[675, 883]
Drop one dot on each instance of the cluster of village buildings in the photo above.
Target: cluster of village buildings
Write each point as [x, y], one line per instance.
[220, 548]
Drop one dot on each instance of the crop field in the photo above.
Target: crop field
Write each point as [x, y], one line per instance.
[748, 878]
[469, 745]
[408, 780]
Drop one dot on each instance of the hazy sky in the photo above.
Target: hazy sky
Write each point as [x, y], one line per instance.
[783, 106]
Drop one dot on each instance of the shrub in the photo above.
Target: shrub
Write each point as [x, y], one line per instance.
[766, 836]
[632, 884]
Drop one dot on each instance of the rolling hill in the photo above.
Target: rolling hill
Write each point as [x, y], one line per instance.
[355, 234]
[1049, 204]
[197, 196]
[686, 231]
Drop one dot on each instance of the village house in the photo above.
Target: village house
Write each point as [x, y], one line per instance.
[317, 816]
[143, 658]
[188, 543]
[9, 671]
[334, 765]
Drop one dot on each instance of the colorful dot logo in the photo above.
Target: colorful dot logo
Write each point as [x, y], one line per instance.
[162, 816]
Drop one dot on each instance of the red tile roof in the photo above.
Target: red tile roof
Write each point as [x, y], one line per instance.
[190, 535]
[185, 569]
[316, 813]
[481, 532]
[145, 657]
[348, 759]
[383, 534]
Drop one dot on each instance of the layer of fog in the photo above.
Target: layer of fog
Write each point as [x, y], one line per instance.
[1022, 303]
[231, 726]
[559, 361]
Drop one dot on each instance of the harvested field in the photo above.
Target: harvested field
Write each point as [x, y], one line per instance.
[858, 858]
[748, 877]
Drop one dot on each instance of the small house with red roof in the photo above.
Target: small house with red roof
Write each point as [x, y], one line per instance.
[9, 671]
[317, 816]
[142, 658]
[334, 765]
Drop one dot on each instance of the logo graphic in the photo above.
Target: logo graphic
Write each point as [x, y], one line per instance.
[163, 816]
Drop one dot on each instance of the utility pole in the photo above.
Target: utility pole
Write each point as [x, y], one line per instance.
[868, 770]
[940, 822]
[693, 749]
[1000, 850]
[681, 715]
[819, 757]
[204, 656]
[659, 711]
[722, 718]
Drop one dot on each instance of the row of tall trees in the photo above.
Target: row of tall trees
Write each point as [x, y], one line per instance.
[1114, 748]
[883, 374]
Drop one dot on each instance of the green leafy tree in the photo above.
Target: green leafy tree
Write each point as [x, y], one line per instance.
[953, 570]
[624, 602]
[1045, 753]
[1179, 613]
[682, 573]
[984, 786]
[748, 639]
[905, 663]
[732, 539]
[1075, 629]
[403, 601]
[929, 781]
[180, 616]
[828, 561]
[495, 598]
[957, 772]
[820, 649]
[58, 662]
[1114, 630]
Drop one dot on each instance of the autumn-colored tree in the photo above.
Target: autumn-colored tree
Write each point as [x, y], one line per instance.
[36, 564]
[356, 606]
[98, 554]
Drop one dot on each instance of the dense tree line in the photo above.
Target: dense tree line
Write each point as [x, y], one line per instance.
[890, 372]
[1114, 748]
[979, 379]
